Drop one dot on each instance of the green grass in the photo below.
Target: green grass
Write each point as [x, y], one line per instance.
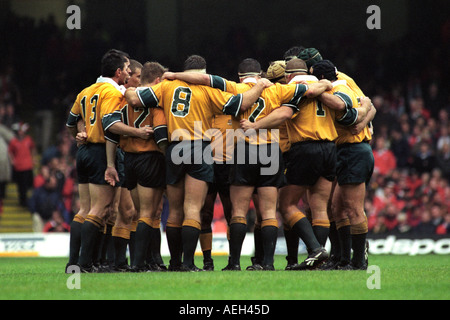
[401, 278]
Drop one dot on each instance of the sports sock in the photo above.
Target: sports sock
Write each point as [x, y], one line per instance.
[89, 236]
[75, 239]
[106, 243]
[334, 241]
[238, 230]
[321, 228]
[259, 250]
[142, 242]
[173, 234]
[206, 243]
[345, 240]
[121, 237]
[292, 242]
[358, 234]
[302, 227]
[190, 233]
[269, 232]
[132, 242]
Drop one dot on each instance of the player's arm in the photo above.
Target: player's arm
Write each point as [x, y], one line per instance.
[189, 77]
[359, 126]
[317, 88]
[272, 121]
[111, 175]
[132, 98]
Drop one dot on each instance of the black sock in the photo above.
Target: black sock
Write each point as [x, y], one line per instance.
[292, 241]
[345, 242]
[190, 237]
[142, 243]
[304, 230]
[75, 242]
[89, 236]
[120, 251]
[237, 236]
[106, 244]
[174, 243]
[259, 251]
[334, 241]
[321, 234]
[359, 249]
[132, 246]
[155, 246]
[269, 240]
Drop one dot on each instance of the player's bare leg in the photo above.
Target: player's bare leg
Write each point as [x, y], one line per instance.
[352, 199]
[318, 198]
[101, 198]
[194, 199]
[267, 204]
[207, 215]
[240, 199]
[149, 200]
[77, 223]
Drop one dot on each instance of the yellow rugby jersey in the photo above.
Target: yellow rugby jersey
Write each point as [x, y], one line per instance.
[189, 109]
[96, 105]
[271, 98]
[222, 151]
[351, 98]
[139, 118]
[313, 121]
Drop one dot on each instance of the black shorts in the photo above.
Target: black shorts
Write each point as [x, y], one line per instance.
[310, 160]
[258, 166]
[91, 163]
[189, 157]
[355, 163]
[147, 169]
[221, 183]
[120, 167]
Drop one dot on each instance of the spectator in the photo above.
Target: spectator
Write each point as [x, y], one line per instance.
[22, 152]
[425, 226]
[424, 160]
[400, 148]
[443, 160]
[385, 161]
[56, 223]
[44, 201]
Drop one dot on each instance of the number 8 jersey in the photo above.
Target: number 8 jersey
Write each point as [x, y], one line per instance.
[189, 109]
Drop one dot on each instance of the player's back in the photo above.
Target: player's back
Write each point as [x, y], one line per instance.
[313, 121]
[189, 109]
[93, 104]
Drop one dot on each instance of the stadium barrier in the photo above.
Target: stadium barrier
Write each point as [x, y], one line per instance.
[57, 245]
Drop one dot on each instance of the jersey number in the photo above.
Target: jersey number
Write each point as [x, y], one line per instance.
[93, 101]
[320, 111]
[143, 114]
[260, 105]
[181, 102]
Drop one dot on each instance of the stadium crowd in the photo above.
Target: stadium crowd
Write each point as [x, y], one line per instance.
[409, 191]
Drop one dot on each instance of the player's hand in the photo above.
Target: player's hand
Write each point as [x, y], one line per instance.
[168, 75]
[81, 138]
[265, 82]
[328, 84]
[111, 176]
[247, 125]
[145, 133]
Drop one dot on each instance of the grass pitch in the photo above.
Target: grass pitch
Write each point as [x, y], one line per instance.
[398, 278]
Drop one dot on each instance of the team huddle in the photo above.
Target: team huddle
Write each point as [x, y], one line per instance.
[296, 134]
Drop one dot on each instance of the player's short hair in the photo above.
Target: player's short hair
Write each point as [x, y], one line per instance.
[325, 69]
[296, 65]
[292, 52]
[112, 60]
[134, 65]
[151, 71]
[249, 67]
[194, 62]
